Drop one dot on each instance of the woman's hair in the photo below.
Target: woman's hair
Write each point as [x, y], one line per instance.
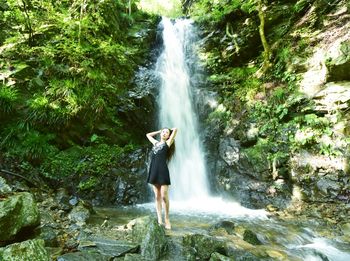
[171, 150]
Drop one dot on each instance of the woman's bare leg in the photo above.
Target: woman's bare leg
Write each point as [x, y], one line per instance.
[165, 201]
[157, 194]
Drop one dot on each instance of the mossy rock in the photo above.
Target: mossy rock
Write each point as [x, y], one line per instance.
[151, 236]
[250, 237]
[17, 212]
[201, 247]
[26, 250]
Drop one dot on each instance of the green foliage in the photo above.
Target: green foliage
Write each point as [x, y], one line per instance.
[220, 114]
[301, 5]
[8, 98]
[207, 11]
[83, 162]
[28, 144]
[239, 81]
[67, 67]
[169, 8]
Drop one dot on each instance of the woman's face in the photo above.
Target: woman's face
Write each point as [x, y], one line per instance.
[165, 134]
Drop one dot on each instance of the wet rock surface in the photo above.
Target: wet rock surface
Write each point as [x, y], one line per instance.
[142, 238]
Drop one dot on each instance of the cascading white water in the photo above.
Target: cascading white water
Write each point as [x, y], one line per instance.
[187, 168]
[176, 69]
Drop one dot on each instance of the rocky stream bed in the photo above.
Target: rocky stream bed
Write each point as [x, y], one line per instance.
[51, 225]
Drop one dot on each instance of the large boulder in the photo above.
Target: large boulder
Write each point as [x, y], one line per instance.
[26, 250]
[151, 237]
[17, 212]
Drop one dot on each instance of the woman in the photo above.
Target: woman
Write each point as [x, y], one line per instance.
[158, 174]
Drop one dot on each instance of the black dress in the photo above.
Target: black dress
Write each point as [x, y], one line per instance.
[158, 171]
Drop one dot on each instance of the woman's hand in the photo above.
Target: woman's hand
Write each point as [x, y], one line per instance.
[172, 136]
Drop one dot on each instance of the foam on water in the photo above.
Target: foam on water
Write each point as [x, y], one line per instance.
[211, 206]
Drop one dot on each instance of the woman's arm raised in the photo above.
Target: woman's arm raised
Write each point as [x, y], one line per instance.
[172, 137]
[150, 136]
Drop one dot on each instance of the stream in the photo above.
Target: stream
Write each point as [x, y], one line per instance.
[310, 240]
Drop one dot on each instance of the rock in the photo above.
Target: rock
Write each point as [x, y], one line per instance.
[242, 254]
[250, 237]
[17, 212]
[73, 201]
[346, 228]
[326, 185]
[201, 247]
[228, 226]
[83, 256]
[107, 247]
[26, 250]
[334, 96]
[49, 235]
[4, 188]
[151, 236]
[63, 198]
[338, 66]
[79, 214]
[218, 257]
[229, 151]
[133, 257]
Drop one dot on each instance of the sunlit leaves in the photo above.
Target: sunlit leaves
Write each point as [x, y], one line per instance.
[8, 97]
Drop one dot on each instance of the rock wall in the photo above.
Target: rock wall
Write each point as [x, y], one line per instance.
[308, 163]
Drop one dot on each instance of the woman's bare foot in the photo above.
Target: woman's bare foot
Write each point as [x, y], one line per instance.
[167, 224]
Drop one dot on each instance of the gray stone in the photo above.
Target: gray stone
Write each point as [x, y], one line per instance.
[325, 186]
[26, 250]
[108, 247]
[79, 214]
[16, 213]
[73, 201]
[4, 188]
[63, 198]
[83, 256]
[49, 235]
[229, 151]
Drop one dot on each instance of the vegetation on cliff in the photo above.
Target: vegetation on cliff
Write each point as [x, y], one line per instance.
[66, 68]
[273, 86]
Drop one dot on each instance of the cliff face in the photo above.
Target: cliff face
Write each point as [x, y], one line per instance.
[280, 136]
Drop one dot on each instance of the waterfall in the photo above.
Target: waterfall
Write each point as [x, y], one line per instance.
[187, 168]
[177, 70]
